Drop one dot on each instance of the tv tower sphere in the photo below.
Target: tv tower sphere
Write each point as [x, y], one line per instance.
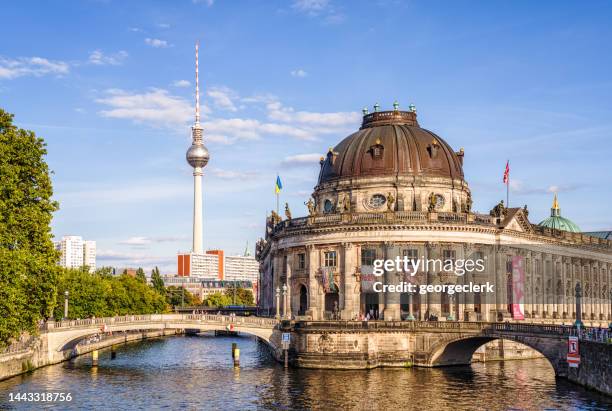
[197, 155]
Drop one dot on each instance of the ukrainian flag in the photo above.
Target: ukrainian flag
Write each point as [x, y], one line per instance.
[278, 186]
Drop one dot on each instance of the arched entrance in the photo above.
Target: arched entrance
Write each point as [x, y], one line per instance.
[332, 305]
[303, 300]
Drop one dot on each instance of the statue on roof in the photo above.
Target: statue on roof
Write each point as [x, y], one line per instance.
[287, 211]
[312, 209]
[499, 210]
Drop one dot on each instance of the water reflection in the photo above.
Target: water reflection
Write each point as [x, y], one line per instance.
[197, 373]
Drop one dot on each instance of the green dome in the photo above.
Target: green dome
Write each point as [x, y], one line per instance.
[557, 222]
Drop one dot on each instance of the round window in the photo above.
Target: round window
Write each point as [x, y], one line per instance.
[328, 206]
[377, 201]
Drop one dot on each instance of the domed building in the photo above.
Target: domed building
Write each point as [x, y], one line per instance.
[556, 222]
[394, 190]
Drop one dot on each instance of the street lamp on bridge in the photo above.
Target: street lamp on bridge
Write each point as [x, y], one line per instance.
[285, 300]
[66, 304]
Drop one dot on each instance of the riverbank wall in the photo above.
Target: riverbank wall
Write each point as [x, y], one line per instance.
[34, 355]
[595, 369]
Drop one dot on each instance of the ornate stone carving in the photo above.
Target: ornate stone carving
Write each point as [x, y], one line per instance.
[326, 344]
[499, 210]
[312, 209]
[287, 211]
[390, 202]
[275, 217]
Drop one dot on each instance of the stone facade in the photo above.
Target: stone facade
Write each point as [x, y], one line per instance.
[415, 202]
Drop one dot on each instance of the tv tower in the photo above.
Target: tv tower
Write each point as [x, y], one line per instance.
[197, 157]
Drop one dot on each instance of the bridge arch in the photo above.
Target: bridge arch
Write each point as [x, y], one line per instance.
[73, 339]
[61, 338]
[459, 351]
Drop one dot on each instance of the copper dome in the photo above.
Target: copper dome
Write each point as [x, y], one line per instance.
[391, 143]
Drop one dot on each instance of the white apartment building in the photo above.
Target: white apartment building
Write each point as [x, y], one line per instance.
[89, 254]
[75, 253]
[241, 268]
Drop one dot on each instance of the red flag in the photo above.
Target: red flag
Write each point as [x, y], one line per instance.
[507, 172]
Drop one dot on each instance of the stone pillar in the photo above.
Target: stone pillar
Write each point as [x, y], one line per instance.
[392, 300]
[549, 285]
[349, 295]
[467, 313]
[289, 282]
[429, 304]
[312, 261]
[501, 278]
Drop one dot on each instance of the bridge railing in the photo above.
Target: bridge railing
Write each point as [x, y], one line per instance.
[484, 327]
[147, 318]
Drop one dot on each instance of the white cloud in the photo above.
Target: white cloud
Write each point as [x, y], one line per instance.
[299, 73]
[311, 6]
[321, 121]
[141, 241]
[181, 83]
[31, 66]
[163, 25]
[319, 8]
[136, 241]
[230, 130]
[232, 174]
[156, 107]
[97, 57]
[301, 160]
[157, 43]
[209, 3]
[125, 259]
[222, 97]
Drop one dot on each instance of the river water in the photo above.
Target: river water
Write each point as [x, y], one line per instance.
[196, 372]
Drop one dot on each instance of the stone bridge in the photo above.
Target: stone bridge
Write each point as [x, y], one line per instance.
[356, 344]
[335, 344]
[62, 336]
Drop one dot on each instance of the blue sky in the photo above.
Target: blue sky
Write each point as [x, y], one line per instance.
[109, 85]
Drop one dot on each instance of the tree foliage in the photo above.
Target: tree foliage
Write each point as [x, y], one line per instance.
[178, 296]
[102, 295]
[243, 296]
[28, 270]
[140, 275]
[217, 300]
[156, 280]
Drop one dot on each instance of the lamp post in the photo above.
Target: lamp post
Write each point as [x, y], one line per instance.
[285, 300]
[66, 304]
[278, 303]
[578, 290]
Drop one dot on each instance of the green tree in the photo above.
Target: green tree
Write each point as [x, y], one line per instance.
[105, 271]
[140, 275]
[156, 281]
[217, 300]
[178, 296]
[27, 256]
[243, 296]
[104, 295]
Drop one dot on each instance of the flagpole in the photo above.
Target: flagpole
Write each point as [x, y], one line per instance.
[277, 192]
[508, 188]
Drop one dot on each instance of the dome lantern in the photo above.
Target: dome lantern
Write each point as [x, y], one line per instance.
[555, 221]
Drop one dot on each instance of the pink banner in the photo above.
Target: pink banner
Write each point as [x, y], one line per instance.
[518, 287]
